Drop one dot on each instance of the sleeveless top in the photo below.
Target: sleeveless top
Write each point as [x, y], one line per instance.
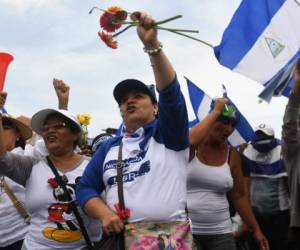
[207, 202]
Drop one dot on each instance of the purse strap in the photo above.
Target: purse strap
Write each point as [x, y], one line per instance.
[62, 183]
[17, 204]
[120, 166]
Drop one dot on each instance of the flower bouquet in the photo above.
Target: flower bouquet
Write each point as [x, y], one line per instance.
[114, 18]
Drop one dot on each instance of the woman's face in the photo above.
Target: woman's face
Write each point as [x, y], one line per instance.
[10, 134]
[58, 137]
[221, 130]
[137, 110]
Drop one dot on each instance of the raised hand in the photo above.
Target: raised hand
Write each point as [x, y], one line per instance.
[146, 29]
[220, 104]
[62, 91]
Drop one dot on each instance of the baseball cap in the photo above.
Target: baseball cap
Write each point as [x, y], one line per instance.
[128, 85]
[264, 128]
[39, 118]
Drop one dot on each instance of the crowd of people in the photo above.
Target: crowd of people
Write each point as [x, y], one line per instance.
[155, 185]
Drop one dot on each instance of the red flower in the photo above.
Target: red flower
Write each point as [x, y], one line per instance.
[122, 213]
[108, 39]
[52, 182]
[112, 18]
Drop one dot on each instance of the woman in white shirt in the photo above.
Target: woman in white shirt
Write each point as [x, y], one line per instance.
[53, 222]
[14, 223]
[214, 170]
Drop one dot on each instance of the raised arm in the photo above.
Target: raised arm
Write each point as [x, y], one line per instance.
[16, 167]
[290, 134]
[62, 91]
[163, 71]
[199, 131]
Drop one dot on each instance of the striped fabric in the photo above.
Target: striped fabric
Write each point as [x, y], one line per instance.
[201, 104]
[262, 42]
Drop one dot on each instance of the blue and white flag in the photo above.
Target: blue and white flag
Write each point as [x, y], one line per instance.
[201, 104]
[262, 42]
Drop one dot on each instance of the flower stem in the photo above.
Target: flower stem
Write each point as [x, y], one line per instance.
[92, 9]
[123, 30]
[129, 22]
[178, 30]
[168, 19]
[193, 38]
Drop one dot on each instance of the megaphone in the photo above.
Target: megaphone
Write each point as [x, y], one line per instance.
[5, 60]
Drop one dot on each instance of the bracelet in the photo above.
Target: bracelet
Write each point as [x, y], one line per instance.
[152, 52]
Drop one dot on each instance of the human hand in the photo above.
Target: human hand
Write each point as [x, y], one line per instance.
[261, 240]
[146, 29]
[219, 104]
[62, 91]
[242, 232]
[3, 96]
[111, 223]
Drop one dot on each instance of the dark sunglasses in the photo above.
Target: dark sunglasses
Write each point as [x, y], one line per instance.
[55, 126]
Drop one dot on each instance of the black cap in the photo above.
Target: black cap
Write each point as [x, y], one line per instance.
[128, 85]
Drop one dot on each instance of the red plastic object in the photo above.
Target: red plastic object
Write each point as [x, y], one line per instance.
[5, 60]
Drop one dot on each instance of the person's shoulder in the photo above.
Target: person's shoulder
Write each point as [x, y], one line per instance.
[107, 145]
[112, 142]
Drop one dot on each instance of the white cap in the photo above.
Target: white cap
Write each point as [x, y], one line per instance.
[38, 119]
[265, 128]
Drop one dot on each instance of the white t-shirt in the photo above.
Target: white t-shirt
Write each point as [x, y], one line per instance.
[156, 168]
[12, 226]
[37, 151]
[53, 224]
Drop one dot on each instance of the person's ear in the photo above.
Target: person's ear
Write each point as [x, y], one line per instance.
[155, 109]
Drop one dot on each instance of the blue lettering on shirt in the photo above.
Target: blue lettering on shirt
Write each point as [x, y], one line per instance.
[129, 177]
[112, 164]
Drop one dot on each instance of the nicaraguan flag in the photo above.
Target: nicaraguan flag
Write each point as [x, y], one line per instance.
[201, 104]
[262, 42]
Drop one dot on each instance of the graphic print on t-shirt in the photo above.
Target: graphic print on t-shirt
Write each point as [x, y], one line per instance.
[129, 176]
[61, 213]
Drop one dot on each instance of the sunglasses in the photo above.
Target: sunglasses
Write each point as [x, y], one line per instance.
[55, 126]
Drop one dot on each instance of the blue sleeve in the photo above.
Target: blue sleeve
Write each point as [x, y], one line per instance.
[173, 118]
[91, 183]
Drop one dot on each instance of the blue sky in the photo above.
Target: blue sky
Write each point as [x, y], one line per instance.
[58, 38]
